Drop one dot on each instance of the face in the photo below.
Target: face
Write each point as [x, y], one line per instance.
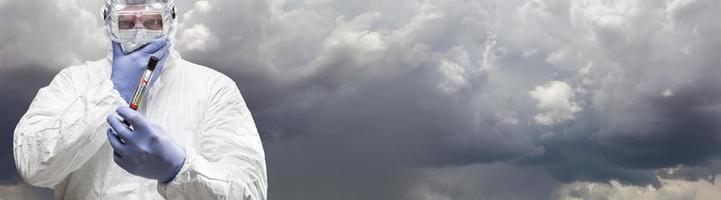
[136, 17]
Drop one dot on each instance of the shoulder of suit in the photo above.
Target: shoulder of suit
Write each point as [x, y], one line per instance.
[87, 68]
[204, 71]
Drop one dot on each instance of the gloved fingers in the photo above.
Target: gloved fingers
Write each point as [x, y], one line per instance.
[118, 146]
[136, 120]
[118, 127]
[117, 49]
[162, 53]
[154, 46]
[122, 162]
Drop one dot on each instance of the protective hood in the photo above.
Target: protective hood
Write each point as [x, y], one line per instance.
[133, 39]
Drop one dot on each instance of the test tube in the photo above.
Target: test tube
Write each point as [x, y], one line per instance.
[143, 86]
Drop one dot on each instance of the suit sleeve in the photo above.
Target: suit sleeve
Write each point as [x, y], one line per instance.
[230, 162]
[63, 126]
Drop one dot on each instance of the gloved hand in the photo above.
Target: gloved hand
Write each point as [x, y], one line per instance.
[146, 151]
[128, 69]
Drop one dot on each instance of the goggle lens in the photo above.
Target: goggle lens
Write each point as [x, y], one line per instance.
[148, 21]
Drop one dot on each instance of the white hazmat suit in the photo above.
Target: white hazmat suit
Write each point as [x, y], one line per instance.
[61, 141]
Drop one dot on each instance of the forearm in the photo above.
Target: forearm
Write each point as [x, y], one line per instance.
[233, 178]
[60, 132]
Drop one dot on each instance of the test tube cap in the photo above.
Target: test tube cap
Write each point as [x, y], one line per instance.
[152, 63]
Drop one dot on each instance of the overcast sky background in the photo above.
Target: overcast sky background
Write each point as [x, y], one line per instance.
[432, 99]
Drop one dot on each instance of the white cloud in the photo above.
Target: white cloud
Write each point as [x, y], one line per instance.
[556, 102]
[670, 190]
[483, 181]
[196, 38]
[454, 71]
[667, 93]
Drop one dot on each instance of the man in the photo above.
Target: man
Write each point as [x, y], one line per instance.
[192, 137]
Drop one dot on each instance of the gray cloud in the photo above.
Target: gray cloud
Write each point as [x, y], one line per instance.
[487, 181]
[41, 33]
[437, 100]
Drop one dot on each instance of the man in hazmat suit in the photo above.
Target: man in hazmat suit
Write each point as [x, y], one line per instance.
[193, 136]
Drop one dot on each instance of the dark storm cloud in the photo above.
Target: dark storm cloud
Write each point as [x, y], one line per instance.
[443, 99]
[18, 87]
[684, 129]
[628, 144]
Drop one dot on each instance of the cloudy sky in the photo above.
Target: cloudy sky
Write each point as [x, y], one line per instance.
[432, 99]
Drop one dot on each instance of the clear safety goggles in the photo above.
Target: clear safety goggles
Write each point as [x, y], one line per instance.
[151, 20]
[129, 23]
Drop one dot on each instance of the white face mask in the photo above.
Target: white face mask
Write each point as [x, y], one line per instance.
[136, 38]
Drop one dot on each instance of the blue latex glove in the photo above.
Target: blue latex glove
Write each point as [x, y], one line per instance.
[146, 150]
[128, 69]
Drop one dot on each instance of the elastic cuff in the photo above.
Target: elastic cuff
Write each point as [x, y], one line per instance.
[174, 183]
[175, 171]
